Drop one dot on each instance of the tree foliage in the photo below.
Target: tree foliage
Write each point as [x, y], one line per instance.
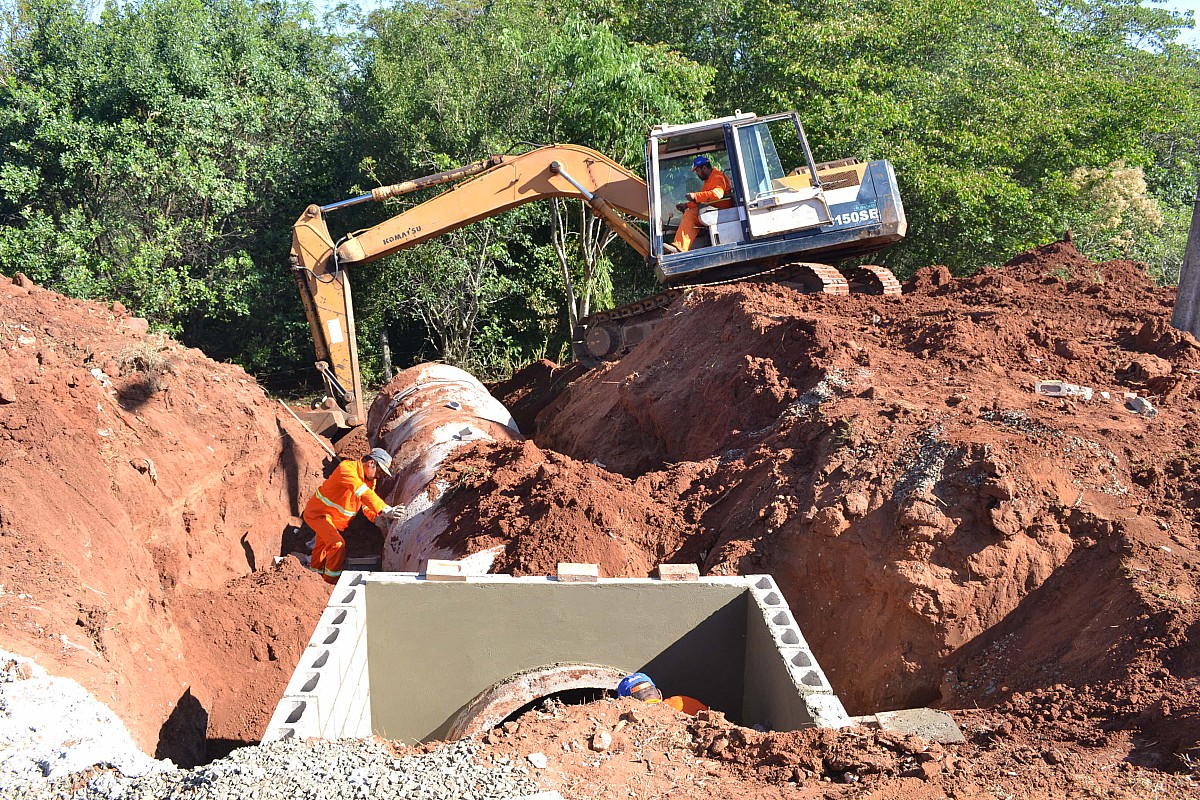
[145, 155]
[443, 85]
[158, 153]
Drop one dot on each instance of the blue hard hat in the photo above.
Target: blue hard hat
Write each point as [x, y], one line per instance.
[699, 161]
[630, 683]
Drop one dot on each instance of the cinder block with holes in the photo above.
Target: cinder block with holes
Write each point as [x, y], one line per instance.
[401, 655]
[313, 702]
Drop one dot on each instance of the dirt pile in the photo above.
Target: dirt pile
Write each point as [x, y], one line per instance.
[140, 484]
[624, 748]
[545, 508]
[944, 534]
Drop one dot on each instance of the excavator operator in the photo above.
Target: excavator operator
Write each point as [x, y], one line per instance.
[715, 191]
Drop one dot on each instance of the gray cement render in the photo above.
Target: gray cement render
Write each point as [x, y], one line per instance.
[433, 646]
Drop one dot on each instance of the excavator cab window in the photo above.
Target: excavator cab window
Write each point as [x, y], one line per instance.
[676, 179]
[769, 150]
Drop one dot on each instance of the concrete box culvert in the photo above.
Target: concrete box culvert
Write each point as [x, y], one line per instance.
[417, 660]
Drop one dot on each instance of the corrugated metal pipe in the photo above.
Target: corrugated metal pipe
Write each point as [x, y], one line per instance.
[422, 416]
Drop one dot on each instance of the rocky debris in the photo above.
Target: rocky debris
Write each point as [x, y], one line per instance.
[318, 769]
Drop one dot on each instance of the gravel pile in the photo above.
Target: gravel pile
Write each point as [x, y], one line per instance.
[297, 770]
[52, 727]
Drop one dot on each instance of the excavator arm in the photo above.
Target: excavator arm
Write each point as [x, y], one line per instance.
[483, 189]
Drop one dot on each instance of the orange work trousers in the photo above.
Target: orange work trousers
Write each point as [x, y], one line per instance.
[685, 237]
[330, 548]
[687, 229]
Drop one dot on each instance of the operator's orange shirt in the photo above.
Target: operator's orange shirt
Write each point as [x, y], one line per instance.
[717, 188]
[344, 494]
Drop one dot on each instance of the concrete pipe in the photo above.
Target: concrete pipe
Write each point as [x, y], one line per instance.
[422, 416]
[502, 699]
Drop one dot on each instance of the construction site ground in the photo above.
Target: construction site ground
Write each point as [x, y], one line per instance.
[944, 534]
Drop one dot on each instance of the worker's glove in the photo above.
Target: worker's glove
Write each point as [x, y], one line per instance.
[389, 513]
[681, 206]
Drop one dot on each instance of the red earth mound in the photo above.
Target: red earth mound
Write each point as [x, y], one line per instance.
[654, 751]
[140, 481]
[944, 534]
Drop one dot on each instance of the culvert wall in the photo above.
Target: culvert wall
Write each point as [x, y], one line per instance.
[402, 657]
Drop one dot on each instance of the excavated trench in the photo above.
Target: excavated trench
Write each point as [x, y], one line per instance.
[937, 530]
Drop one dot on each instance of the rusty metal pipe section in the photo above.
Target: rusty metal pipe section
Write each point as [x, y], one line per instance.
[421, 417]
[406, 187]
[502, 699]
[381, 193]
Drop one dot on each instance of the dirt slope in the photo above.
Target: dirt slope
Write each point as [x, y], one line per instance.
[139, 482]
[944, 534]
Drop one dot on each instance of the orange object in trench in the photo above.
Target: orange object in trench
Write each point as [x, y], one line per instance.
[688, 705]
[341, 496]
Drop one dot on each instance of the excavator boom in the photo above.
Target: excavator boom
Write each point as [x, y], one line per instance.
[780, 212]
[536, 175]
[487, 188]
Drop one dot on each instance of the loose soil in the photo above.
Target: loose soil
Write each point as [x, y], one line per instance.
[944, 534]
[144, 489]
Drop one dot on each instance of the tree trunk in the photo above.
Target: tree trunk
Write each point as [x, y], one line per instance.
[1187, 300]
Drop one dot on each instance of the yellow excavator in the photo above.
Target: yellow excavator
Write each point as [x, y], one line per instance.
[787, 214]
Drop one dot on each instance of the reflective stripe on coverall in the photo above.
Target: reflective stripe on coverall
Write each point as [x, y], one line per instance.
[716, 191]
[341, 496]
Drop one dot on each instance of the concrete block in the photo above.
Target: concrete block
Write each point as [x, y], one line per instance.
[678, 572]
[805, 672]
[928, 723]
[307, 681]
[293, 717]
[334, 641]
[333, 661]
[768, 599]
[764, 582]
[362, 728]
[827, 711]
[346, 706]
[347, 617]
[350, 589]
[440, 570]
[578, 573]
[783, 629]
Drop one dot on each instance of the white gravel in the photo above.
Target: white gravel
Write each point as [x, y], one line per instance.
[51, 727]
[57, 742]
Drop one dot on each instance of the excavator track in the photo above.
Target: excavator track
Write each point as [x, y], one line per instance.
[608, 335]
[871, 279]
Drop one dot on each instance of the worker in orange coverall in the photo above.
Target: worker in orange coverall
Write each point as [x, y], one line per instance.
[640, 687]
[717, 191]
[350, 489]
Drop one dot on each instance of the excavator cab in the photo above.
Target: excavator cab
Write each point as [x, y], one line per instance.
[784, 205]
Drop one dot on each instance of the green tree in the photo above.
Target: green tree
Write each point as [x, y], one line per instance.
[985, 109]
[445, 85]
[158, 154]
